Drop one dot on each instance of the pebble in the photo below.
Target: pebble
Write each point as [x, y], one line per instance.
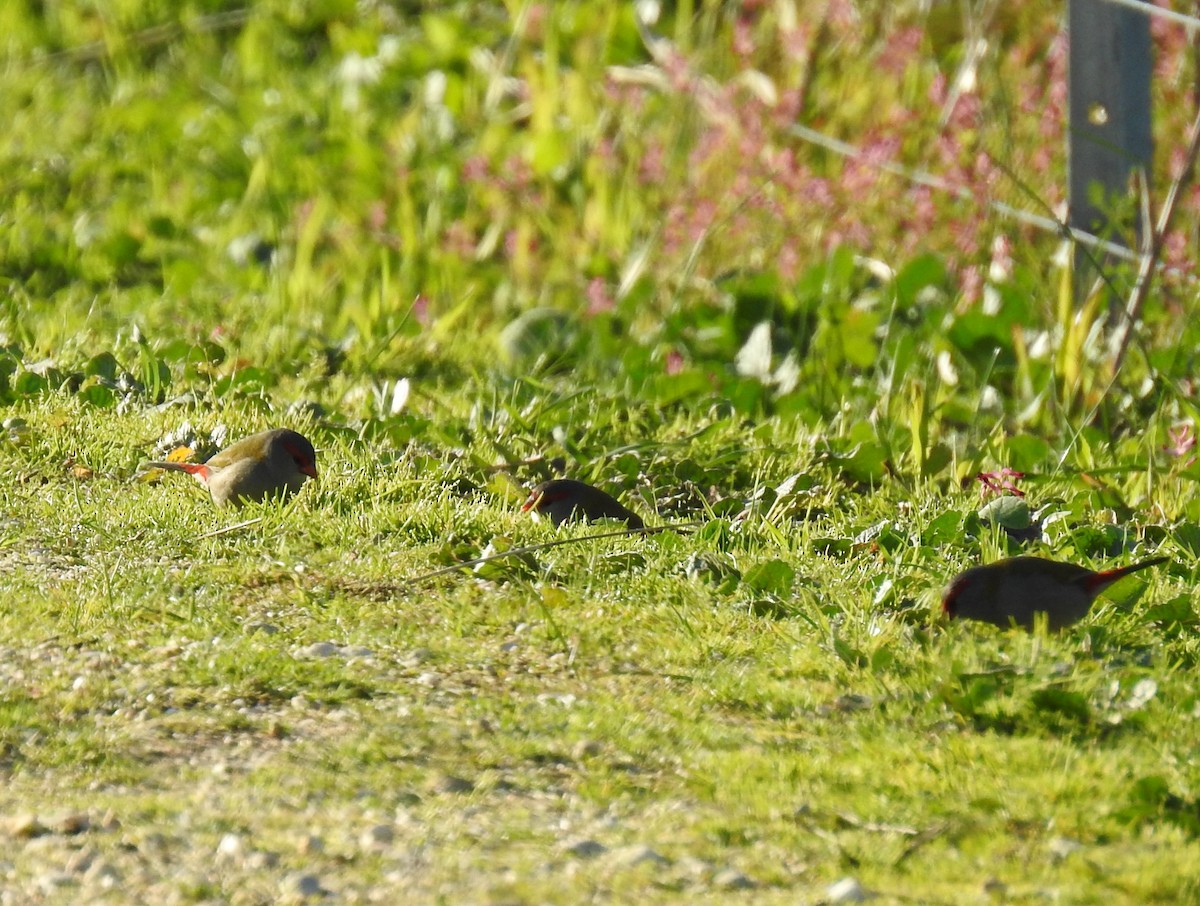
[586, 849]
[377, 837]
[451, 784]
[70, 823]
[853, 702]
[637, 854]
[311, 844]
[586, 748]
[732, 879]
[318, 649]
[230, 849]
[25, 826]
[81, 860]
[1061, 847]
[262, 859]
[302, 885]
[847, 890]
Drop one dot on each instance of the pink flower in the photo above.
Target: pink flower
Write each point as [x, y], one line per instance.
[1175, 250]
[795, 42]
[599, 298]
[535, 20]
[475, 169]
[674, 361]
[513, 247]
[937, 89]
[420, 310]
[971, 284]
[457, 239]
[652, 168]
[901, 49]
[743, 38]
[517, 174]
[1183, 439]
[788, 263]
[842, 15]
[377, 215]
[1000, 483]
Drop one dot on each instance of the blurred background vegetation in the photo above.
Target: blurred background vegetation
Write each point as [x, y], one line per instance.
[305, 202]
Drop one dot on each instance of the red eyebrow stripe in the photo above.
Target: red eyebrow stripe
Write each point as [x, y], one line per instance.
[543, 497]
[949, 602]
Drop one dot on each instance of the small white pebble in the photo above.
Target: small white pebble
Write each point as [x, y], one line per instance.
[847, 890]
[230, 848]
[1061, 847]
[378, 836]
[261, 860]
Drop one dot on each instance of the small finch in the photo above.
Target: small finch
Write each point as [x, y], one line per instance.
[1012, 591]
[562, 499]
[268, 464]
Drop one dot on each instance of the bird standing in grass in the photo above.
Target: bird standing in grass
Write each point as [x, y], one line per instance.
[1013, 591]
[272, 463]
[563, 499]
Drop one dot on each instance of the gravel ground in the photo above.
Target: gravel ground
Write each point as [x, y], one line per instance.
[214, 815]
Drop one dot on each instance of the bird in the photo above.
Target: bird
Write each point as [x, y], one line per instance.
[1011, 592]
[271, 463]
[564, 499]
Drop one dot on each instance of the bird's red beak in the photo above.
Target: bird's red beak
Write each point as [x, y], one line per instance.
[532, 502]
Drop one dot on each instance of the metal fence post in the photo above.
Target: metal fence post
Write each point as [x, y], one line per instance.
[1109, 133]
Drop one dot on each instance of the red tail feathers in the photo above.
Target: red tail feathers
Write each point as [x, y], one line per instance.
[1096, 582]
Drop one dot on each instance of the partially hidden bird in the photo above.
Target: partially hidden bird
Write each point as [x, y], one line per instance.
[272, 463]
[564, 499]
[1013, 591]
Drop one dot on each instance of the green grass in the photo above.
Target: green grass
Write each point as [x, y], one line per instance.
[566, 266]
